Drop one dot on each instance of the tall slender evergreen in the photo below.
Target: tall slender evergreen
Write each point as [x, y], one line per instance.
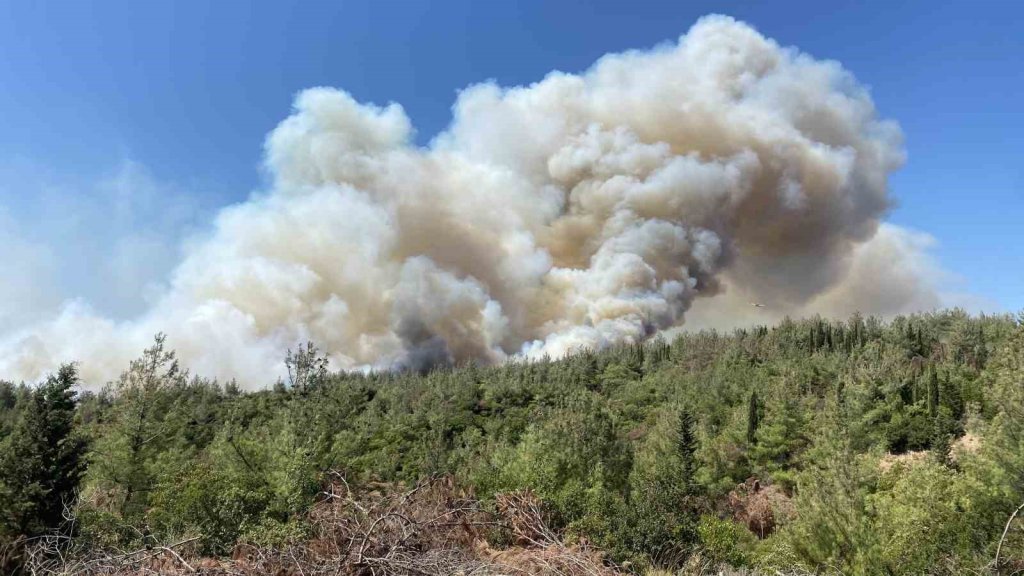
[753, 417]
[686, 447]
[43, 459]
[933, 392]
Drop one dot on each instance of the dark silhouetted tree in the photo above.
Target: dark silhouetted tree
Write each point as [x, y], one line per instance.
[42, 461]
[753, 417]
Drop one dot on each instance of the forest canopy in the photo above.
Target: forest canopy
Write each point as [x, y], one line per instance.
[812, 446]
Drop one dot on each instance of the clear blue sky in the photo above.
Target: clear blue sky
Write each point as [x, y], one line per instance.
[183, 92]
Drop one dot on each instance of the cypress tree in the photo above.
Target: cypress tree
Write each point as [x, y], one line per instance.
[933, 393]
[753, 417]
[686, 448]
[43, 460]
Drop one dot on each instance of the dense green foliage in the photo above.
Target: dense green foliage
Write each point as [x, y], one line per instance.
[42, 457]
[858, 447]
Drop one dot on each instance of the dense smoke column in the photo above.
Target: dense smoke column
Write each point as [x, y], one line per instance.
[579, 211]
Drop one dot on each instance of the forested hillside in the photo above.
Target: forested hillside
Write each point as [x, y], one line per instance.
[856, 447]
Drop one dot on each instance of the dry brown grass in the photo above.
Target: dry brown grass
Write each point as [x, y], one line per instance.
[890, 461]
[969, 443]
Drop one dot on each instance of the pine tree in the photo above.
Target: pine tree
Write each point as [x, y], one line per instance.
[307, 368]
[139, 426]
[43, 460]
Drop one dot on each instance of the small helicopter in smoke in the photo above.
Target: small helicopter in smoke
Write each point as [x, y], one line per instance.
[757, 305]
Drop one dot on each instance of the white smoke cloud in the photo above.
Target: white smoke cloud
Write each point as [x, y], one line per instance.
[29, 271]
[578, 211]
[110, 239]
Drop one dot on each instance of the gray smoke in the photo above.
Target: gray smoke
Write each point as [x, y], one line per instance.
[579, 211]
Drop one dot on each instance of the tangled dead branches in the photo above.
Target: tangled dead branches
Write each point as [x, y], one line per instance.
[432, 529]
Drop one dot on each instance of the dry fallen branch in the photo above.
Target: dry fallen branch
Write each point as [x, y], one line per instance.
[432, 529]
[999, 548]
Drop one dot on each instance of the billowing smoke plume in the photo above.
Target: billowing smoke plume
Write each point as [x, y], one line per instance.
[575, 212]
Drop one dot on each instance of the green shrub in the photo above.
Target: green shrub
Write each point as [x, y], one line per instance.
[725, 541]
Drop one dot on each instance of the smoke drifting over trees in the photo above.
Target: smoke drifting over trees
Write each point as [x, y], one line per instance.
[579, 211]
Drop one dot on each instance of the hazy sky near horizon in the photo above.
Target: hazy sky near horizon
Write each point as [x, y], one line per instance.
[126, 125]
